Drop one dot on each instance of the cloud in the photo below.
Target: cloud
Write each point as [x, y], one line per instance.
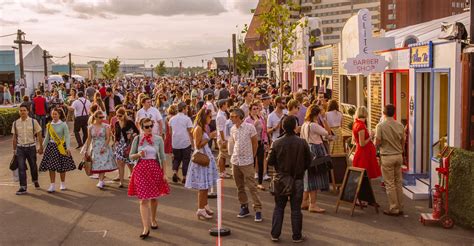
[32, 20]
[244, 6]
[4, 22]
[104, 9]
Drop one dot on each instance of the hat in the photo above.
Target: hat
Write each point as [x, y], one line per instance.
[181, 106]
[266, 96]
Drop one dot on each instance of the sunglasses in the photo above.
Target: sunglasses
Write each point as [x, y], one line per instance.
[255, 109]
[119, 116]
[147, 126]
[101, 117]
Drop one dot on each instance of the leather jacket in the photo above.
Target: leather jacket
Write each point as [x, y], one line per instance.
[290, 155]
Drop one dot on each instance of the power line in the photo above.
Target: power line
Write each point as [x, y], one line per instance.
[7, 35]
[151, 59]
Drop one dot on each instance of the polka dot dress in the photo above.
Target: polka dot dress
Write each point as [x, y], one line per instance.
[147, 181]
[54, 161]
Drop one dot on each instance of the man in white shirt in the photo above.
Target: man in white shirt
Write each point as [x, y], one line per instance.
[248, 97]
[147, 111]
[222, 137]
[181, 134]
[243, 148]
[81, 108]
[274, 119]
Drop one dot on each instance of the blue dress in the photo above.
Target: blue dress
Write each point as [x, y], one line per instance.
[101, 162]
[199, 177]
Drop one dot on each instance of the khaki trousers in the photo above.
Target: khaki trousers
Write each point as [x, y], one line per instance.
[392, 176]
[244, 176]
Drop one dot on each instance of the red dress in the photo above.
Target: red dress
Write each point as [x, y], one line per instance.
[365, 157]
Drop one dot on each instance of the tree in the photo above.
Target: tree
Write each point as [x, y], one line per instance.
[160, 69]
[111, 68]
[278, 30]
[244, 59]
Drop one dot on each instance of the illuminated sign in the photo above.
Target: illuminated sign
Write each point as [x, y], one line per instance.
[421, 55]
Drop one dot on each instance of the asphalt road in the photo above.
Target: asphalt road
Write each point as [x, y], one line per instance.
[85, 215]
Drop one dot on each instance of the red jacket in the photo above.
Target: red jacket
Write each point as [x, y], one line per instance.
[39, 106]
[103, 92]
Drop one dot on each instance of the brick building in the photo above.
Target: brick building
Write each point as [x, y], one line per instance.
[401, 13]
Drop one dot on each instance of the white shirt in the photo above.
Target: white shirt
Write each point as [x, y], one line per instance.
[272, 121]
[153, 114]
[334, 118]
[246, 109]
[78, 106]
[210, 105]
[220, 125]
[180, 124]
[241, 140]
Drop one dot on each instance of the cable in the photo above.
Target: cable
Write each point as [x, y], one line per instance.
[8, 35]
[150, 59]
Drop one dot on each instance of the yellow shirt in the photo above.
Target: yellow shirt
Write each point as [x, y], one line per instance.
[25, 131]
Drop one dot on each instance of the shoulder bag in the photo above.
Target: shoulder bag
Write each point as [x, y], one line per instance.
[200, 158]
[282, 184]
[322, 164]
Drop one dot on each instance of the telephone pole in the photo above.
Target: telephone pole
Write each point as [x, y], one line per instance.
[229, 70]
[234, 53]
[46, 56]
[70, 67]
[20, 41]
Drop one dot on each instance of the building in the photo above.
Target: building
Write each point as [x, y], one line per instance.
[335, 13]
[401, 13]
[220, 65]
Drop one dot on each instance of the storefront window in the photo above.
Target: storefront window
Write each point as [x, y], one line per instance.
[349, 90]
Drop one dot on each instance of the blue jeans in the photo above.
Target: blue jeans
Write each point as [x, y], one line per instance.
[42, 121]
[296, 199]
[23, 154]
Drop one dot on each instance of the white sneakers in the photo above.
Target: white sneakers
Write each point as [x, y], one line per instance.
[62, 186]
[100, 185]
[266, 177]
[52, 187]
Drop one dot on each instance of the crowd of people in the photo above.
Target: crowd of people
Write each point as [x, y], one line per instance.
[145, 124]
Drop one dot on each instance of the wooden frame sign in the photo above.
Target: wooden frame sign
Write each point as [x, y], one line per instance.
[356, 187]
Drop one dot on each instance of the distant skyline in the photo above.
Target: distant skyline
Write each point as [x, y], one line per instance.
[127, 28]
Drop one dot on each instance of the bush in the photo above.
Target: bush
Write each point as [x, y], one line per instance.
[461, 188]
[7, 117]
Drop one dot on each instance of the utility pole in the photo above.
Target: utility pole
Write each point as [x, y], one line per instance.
[70, 67]
[228, 61]
[46, 56]
[234, 52]
[20, 41]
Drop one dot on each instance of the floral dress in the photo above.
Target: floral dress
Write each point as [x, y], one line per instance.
[101, 162]
[199, 177]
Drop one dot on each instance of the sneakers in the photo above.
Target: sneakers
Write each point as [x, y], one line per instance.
[275, 239]
[94, 176]
[266, 178]
[302, 239]
[100, 185]
[51, 188]
[21, 191]
[37, 185]
[256, 176]
[244, 211]
[62, 186]
[225, 175]
[258, 217]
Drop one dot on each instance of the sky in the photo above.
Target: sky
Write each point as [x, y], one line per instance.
[127, 28]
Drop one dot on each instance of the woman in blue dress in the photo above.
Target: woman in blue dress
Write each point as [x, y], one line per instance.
[199, 177]
[101, 153]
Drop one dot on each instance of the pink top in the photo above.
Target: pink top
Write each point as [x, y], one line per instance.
[264, 135]
[313, 132]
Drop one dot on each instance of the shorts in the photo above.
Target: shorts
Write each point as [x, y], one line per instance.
[223, 151]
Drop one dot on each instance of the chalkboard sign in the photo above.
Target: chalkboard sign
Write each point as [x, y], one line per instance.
[339, 166]
[356, 187]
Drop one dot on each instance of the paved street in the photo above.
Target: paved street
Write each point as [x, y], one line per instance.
[84, 215]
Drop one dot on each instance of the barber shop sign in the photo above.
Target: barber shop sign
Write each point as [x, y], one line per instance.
[366, 62]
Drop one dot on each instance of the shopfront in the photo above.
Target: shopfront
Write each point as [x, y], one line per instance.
[322, 66]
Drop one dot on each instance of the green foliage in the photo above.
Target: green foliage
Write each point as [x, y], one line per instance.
[461, 188]
[111, 68]
[7, 117]
[160, 69]
[245, 59]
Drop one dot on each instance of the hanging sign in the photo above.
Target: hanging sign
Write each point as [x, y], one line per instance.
[421, 55]
[366, 62]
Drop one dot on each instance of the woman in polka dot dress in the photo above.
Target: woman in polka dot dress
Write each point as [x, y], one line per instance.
[55, 160]
[147, 182]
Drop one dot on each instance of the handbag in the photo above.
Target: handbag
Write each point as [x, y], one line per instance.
[321, 164]
[282, 185]
[200, 159]
[14, 163]
[86, 164]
